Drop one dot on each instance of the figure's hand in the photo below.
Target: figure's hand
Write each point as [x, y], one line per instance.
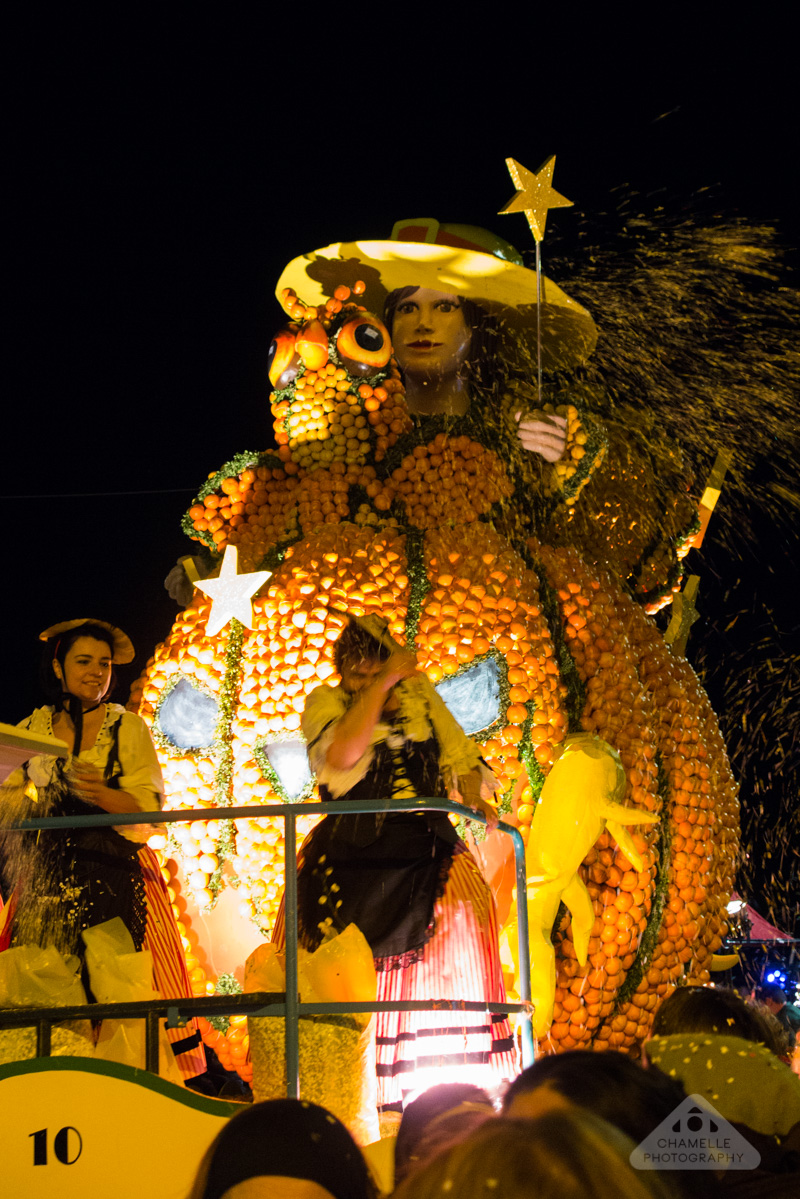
[543, 433]
[401, 665]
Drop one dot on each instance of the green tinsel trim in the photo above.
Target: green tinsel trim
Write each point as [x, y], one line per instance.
[228, 696]
[420, 583]
[596, 444]
[557, 932]
[676, 571]
[260, 755]
[649, 940]
[222, 747]
[689, 532]
[234, 467]
[506, 801]
[275, 555]
[226, 985]
[220, 1023]
[202, 535]
[528, 757]
[661, 590]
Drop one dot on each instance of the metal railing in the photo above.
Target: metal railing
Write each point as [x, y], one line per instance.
[267, 1004]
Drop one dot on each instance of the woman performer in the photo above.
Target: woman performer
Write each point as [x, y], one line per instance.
[70, 880]
[405, 879]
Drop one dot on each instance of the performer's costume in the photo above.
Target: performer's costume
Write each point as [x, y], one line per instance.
[79, 878]
[412, 888]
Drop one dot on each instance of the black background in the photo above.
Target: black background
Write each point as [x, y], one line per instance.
[160, 178]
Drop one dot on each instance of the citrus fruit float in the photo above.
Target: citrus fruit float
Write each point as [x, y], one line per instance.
[364, 510]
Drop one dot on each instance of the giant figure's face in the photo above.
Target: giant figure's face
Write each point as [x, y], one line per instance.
[429, 334]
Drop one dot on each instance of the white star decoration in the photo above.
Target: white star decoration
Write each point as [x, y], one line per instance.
[231, 593]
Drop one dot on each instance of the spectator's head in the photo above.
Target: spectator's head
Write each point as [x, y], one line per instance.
[772, 996]
[436, 1119]
[283, 1149]
[715, 1010]
[570, 1154]
[612, 1086]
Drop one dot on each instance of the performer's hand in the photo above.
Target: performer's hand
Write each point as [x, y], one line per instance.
[472, 795]
[90, 785]
[401, 665]
[543, 433]
[87, 781]
[486, 809]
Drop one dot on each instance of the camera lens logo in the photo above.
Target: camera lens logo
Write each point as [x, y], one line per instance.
[695, 1137]
[696, 1121]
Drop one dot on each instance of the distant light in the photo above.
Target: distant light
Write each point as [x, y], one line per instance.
[770, 978]
[289, 760]
[735, 906]
[474, 696]
[188, 717]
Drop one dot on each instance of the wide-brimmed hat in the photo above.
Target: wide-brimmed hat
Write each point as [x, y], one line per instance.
[460, 259]
[122, 645]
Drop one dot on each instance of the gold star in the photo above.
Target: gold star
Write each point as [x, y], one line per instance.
[231, 593]
[535, 193]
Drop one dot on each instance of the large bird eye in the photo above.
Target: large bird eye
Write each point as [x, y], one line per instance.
[283, 361]
[363, 344]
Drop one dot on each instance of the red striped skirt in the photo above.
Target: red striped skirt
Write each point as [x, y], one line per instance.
[170, 976]
[417, 1050]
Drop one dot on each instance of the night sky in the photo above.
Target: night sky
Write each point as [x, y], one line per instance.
[159, 182]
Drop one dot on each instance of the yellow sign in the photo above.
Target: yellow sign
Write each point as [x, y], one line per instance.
[75, 1128]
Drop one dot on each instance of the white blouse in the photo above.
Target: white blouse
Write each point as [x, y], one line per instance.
[141, 773]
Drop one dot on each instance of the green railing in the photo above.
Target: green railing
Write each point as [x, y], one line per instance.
[285, 1004]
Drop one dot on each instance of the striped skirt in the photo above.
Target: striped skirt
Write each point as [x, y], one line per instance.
[170, 976]
[417, 1050]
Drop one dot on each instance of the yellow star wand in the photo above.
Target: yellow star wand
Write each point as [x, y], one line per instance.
[535, 196]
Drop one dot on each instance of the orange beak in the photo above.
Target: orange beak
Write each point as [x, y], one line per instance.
[312, 345]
